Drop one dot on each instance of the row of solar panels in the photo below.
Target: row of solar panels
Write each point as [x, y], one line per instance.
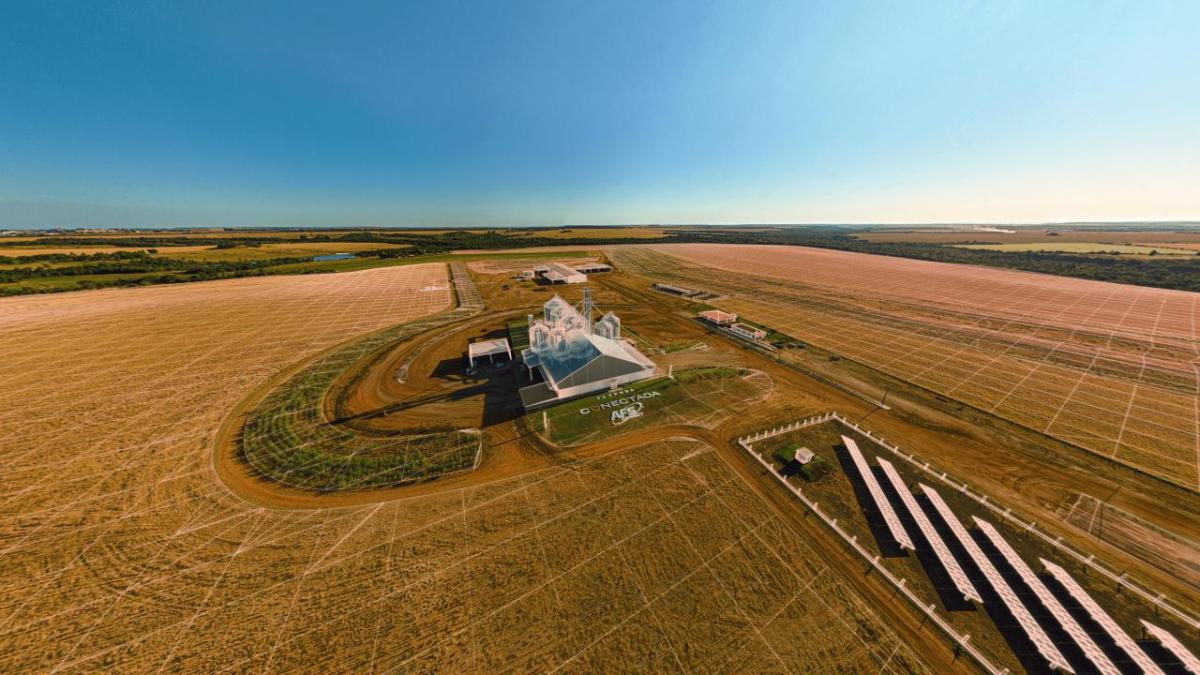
[1007, 595]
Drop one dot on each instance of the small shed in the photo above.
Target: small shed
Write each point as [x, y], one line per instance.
[748, 331]
[718, 318]
[488, 348]
[804, 455]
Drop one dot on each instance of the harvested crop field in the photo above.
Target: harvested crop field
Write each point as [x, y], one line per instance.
[1028, 235]
[121, 550]
[1111, 368]
[1083, 247]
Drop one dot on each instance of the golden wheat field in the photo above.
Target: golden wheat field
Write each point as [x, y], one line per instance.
[122, 551]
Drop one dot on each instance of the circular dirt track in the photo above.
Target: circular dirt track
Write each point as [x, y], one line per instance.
[420, 383]
[244, 481]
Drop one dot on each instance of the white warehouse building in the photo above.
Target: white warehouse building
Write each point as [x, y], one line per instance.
[569, 355]
[558, 273]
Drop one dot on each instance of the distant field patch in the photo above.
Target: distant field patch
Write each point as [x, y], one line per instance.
[593, 233]
[1080, 247]
[272, 251]
[19, 251]
[1027, 235]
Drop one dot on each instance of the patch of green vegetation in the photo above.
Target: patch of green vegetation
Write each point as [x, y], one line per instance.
[568, 425]
[773, 336]
[287, 439]
[816, 469]
[784, 454]
[518, 334]
[692, 392]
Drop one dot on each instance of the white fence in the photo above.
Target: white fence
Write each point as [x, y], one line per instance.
[1157, 599]
[930, 609]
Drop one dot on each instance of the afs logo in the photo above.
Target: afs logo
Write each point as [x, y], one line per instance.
[627, 413]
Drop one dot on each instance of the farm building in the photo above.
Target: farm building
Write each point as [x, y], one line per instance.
[676, 290]
[569, 355]
[719, 318]
[749, 332]
[593, 268]
[557, 273]
[489, 348]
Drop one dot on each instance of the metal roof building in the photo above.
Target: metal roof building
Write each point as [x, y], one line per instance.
[716, 316]
[571, 355]
[593, 268]
[557, 273]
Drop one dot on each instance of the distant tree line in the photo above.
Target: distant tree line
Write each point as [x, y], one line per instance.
[1176, 272]
[115, 270]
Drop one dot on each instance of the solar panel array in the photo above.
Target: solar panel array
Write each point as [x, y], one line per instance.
[957, 575]
[1090, 649]
[1174, 646]
[1120, 637]
[1030, 625]
[881, 501]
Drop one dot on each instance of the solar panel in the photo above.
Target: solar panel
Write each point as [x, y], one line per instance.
[1101, 617]
[961, 582]
[1174, 646]
[1090, 649]
[1030, 625]
[881, 502]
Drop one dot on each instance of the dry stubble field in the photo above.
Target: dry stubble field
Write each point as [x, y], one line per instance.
[1109, 367]
[121, 550]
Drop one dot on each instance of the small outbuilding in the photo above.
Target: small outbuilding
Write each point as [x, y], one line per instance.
[488, 348]
[593, 268]
[803, 455]
[747, 331]
[718, 318]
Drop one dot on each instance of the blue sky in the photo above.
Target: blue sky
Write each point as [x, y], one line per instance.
[389, 113]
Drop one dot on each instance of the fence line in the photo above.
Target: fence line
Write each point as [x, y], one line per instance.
[930, 610]
[1158, 600]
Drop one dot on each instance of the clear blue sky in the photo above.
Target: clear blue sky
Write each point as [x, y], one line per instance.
[391, 113]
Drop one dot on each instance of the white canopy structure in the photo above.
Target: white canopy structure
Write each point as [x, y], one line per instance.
[1173, 645]
[881, 501]
[1101, 617]
[1090, 649]
[957, 575]
[488, 348]
[1032, 628]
